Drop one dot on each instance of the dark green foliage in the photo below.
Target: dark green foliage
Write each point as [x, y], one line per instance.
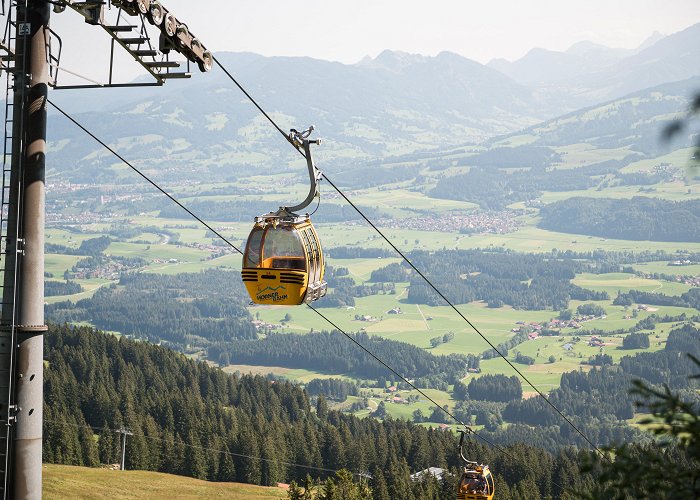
[643, 178]
[460, 391]
[194, 308]
[590, 310]
[566, 314]
[438, 415]
[334, 353]
[503, 347]
[333, 388]
[190, 419]
[638, 218]
[393, 273]
[94, 246]
[691, 298]
[636, 341]
[494, 189]
[667, 468]
[417, 416]
[53, 288]
[91, 247]
[525, 281]
[495, 388]
[523, 359]
[600, 395]
[601, 360]
[669, 366]
[647, 323]
[483, 411]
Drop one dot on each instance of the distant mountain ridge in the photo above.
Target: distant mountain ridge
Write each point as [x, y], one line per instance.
[382, 108]
[633, 121]
[376, 109]
[590, 73]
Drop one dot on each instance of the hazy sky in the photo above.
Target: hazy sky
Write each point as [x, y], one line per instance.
[480, 30]
[348, 31]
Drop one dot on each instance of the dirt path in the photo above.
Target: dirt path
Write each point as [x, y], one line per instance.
[427, 326]
[92, 290]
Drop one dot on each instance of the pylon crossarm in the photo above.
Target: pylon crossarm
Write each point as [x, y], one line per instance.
[151, 52]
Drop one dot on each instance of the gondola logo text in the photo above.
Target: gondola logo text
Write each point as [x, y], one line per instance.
[274, 295]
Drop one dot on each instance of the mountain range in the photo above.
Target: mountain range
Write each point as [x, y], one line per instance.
[379, 108]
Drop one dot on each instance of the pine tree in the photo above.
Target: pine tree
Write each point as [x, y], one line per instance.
[321, 407]
[419, 456]
[379, 486]
[106, 447]
[90, 452]
[399, 483]
[333, 450]
[249, 469]
[272, 468]
[526, 490]
[309, 488]
[643, 471]
[227, 471]
[195, 458]
[294, 492]
[328, 491]
[137, 450]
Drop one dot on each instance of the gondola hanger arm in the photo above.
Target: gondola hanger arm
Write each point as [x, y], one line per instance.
[301, 140]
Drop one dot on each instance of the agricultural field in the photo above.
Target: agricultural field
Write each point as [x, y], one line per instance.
[664, 267]
[619, 282]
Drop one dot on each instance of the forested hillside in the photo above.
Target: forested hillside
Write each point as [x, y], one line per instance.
[494, 189]
[639, 218]
[524, 281]
[193, 309]
[190, 419]
[332, 352]
[597, 400]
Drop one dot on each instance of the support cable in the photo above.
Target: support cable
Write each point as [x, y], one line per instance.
[250, 98]
[151, 182]
[461, 315]
[423, 276]
[467, 428]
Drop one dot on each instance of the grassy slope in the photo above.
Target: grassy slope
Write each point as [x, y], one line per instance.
[62, 481]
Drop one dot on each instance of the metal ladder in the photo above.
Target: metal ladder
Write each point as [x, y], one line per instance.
[137, 42]
[8, 316]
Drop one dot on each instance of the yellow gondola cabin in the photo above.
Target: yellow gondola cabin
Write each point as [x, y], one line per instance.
[283, 262]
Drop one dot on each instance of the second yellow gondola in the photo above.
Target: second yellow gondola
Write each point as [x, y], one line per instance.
[477, 481]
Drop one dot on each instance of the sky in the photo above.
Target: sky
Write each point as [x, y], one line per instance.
[348, 31]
